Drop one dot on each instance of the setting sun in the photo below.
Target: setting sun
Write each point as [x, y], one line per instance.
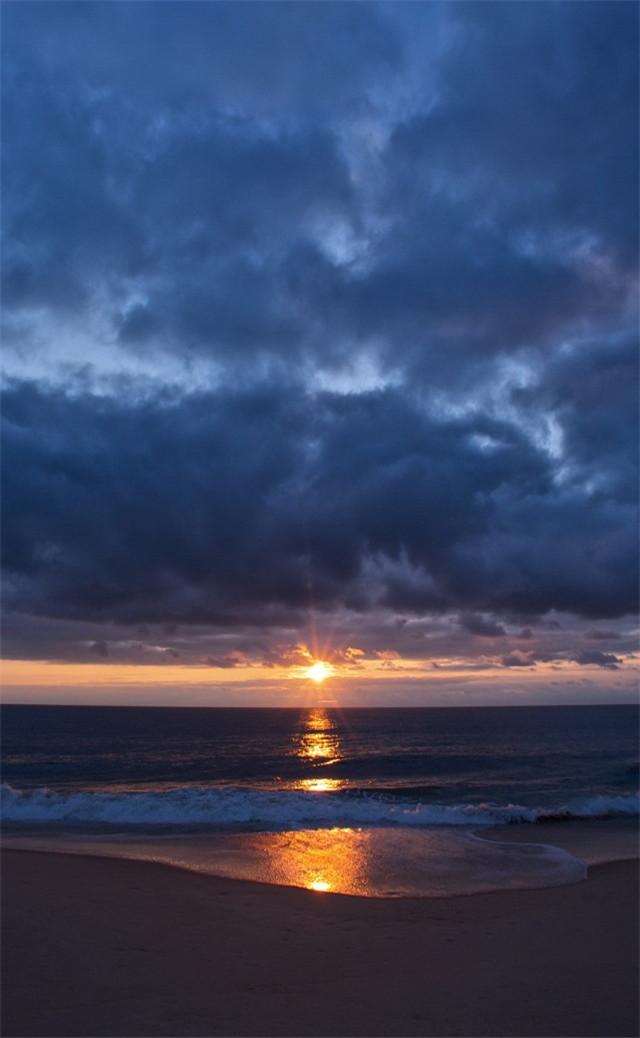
[319, 884]
[319, 672]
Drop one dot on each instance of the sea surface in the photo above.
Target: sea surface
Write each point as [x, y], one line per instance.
[375, 801]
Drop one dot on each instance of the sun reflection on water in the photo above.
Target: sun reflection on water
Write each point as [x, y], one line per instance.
[320, 785]
[323, 860]
[318, 744]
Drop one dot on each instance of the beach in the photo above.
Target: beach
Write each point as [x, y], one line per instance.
[319, 659]
[97, 946]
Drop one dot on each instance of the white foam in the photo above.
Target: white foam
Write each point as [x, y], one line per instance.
[221, 807]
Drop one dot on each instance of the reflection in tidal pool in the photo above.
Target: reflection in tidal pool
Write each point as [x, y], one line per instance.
[318, 859]
[398, 862]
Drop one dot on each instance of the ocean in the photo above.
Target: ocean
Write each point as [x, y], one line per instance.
[288, 795]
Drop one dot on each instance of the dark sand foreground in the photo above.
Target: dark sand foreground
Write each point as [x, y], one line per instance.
[96, 946]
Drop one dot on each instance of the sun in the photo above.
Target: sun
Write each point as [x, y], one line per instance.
[319, 671]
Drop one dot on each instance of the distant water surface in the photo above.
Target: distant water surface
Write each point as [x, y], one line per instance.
[374, 801]
[270, 767]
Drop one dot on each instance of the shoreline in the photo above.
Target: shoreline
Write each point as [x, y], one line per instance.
[594, 841]
[242, 881]
[280, 859]
[87, 855]
[119, 947]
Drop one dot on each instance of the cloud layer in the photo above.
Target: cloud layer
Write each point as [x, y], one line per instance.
[320, 305]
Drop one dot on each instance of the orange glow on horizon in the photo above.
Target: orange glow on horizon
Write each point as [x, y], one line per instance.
[51, 672]
[443, 682]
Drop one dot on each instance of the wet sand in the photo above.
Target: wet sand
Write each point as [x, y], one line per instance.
[97, 946]
[593, 841]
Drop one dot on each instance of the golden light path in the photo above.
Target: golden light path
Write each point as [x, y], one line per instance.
[319, 745]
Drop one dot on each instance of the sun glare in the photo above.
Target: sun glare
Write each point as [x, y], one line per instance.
[319, 671]
[319, 884]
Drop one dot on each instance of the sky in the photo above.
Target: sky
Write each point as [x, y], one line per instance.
[320, 342]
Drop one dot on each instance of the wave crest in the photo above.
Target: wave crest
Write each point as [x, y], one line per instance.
[206, 806]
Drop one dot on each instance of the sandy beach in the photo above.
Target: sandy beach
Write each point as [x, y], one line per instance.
[111, 947]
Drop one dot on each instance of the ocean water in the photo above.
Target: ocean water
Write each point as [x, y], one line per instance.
[375, 801]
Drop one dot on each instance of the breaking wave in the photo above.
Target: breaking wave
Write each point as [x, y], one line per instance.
[227, 807]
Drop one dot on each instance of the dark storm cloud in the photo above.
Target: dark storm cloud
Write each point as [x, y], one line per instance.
[234, 205]
[585, 658]
[600, 659]
[192, 507]
[592, 392]
[518, 660]
[176, 239]
[481, 626]
[263, 60]
[542, 97]
[168, 194]
[514, 198]
[274, 201]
